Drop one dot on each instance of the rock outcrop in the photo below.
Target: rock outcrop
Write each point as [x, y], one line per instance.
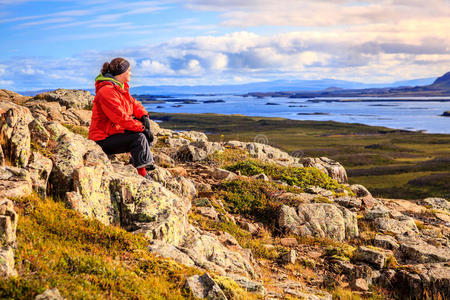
[205, 287]
[318, 220]
[14, 120]
[330, 167]
[78, 99]
[8, 226]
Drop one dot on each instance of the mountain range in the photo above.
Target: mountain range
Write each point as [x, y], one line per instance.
[272, 86]
[439, 88]
[265, 86]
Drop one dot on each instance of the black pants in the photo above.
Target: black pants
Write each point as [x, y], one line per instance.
[134, 142]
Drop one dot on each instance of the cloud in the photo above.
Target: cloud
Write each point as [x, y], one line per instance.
[320, 13]
[6, 82]
[151, 67]
[245, 56]
[97, 13]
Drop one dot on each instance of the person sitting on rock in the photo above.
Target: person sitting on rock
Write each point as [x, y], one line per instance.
[120, 123]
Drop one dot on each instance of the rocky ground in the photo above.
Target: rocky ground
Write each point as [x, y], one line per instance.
[276, 225]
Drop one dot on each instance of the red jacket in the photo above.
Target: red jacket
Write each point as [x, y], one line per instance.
[113, 111]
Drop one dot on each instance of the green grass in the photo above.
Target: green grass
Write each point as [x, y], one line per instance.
[363, 150]
[85, 259]
[415, 185]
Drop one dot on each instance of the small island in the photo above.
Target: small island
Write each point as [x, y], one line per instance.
[446, 113]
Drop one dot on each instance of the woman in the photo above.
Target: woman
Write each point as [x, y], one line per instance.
[120, 123]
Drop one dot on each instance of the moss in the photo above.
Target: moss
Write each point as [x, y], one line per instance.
[232, 290]
[44, 151]
[89, 106]
[322, 199]
[343, 251]
[85, 259]
[391, 262]
[228, 156]
[81, 130]
[343, 294]
[253, 197]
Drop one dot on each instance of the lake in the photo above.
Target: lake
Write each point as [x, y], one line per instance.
[405, 113]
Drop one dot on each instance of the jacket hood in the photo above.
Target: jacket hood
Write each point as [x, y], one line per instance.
[101, 79]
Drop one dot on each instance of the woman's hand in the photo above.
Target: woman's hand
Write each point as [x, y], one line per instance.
[146, 122]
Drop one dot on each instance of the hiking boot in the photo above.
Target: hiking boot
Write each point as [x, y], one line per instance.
[150, 167]
[148, 176]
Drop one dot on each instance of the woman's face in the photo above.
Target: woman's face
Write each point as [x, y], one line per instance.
[125, 76]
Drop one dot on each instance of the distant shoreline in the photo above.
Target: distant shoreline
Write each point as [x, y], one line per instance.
[315, 100]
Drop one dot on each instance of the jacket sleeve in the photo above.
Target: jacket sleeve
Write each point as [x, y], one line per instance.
[138, 108]
[111, 106]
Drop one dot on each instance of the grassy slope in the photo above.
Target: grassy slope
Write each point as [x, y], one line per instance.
[391, 163]
[84, 259]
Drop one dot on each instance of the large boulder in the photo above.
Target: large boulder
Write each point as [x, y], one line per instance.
[14, 120]
[70, 152]
[39, 167]
[197, 151]
[203, 250]
[437, 203]
[148, 207]
[10, 96]
[363, 193]
[43, 110]
[416, 250]
[53, 111]
[8, 226]
[330, 167]
[204, 287]
[91, 195]
[385, 242]
[179, 185]
[78, 99]
[264, 152]
[38, 133]
[194, 136]
[399, 225]
[14, 182]
[318, 220]
[50, 294]
[373, 256]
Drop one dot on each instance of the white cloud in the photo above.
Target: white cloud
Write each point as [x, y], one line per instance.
[29, 70]
[243, 56]
[152, 67]
[320, 13]
[6, 82]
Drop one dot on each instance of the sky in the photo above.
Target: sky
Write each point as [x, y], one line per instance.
[63, 44]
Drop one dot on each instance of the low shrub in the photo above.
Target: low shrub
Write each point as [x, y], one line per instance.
[294, 176]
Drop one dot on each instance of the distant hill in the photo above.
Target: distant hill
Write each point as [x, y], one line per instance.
[439, 87]
[329, 85]
[442, 82]
[271, 86]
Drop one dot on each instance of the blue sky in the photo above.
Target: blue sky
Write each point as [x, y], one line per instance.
[52, 44]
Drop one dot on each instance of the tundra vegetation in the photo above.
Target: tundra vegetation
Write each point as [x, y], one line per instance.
[390, 163]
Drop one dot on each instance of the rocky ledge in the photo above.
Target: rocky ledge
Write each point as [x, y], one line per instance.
[303, 214]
